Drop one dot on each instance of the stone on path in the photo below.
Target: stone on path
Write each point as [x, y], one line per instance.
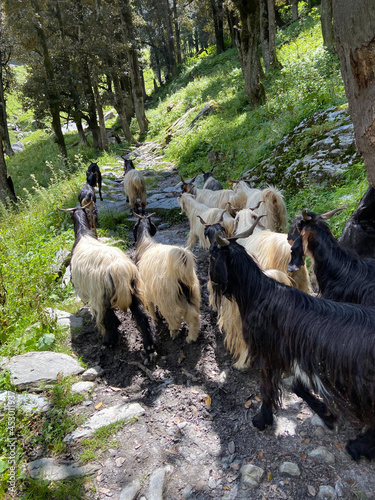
[322, 455]
[326, 492]
[30, 369]
[289, 469]
[65, 319]
[156, 485]
[50, 469]
[25, 402]
[82, 387]
[251, 475]
[92, 373]
[130, 491]
[105, 417]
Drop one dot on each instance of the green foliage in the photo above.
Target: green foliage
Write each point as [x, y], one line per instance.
[101, 441]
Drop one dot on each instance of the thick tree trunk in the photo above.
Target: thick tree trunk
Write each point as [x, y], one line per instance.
[248, 51]
[91, 105]
[354, 28]
[264, 33]
[274, 62]
[6, 192]
[132, 55]
[99, 107]
[172, 66]
[327, 25]
[217, 14]
[4, 132]
[81, 133]
[233, 23]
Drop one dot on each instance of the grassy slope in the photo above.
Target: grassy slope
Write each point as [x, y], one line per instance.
[29, 238]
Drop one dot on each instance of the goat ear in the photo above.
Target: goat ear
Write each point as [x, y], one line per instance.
[221, 217]
[305, 217]
[330, 214]
[203, 222]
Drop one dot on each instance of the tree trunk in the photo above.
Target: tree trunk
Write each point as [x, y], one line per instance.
[81, 133]
[327, 25]
[120, 108]
[233, 23]
[354, 28]
[127, 26]
[6, 191]
[91, 119]
[294, 10]
[53, 96]
[217, 14]
[99, 107]
[274, 62]
[248, 51]
[4, 132]
[170, 43]
[177, 33]
[264, 33]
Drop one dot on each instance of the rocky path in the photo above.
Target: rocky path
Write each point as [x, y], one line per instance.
[187, 431]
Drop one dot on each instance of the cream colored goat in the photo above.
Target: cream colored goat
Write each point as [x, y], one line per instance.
[172, 286]
[272, 206]
[135, 189]
[271, 250]
[230, 323]
[193, 209]
[219, 199]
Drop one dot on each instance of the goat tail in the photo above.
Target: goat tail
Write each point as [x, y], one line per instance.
[275, 208]
[125, 282]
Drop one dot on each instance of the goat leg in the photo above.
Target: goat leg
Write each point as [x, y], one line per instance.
[146, 327]
[315, 404]
[363, 445]
[111, 324]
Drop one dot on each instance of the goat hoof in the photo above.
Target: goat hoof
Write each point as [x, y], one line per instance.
[258, 422]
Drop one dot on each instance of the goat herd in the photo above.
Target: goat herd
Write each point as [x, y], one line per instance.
[258, 285]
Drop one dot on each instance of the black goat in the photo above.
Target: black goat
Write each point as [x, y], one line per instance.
[87, 199]
[106, 278]
[341, 274]
[359, 231]
[329, 347]
[210, 182]
[94, 178]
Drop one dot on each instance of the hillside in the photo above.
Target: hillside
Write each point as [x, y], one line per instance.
[195, 434]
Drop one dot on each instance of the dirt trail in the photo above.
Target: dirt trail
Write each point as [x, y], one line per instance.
[197, 425]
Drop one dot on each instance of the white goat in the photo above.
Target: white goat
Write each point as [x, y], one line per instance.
[220, 199]
[271, 250]
[193, 210]
[272, 206]
[134, 187]
[105, 278]
[171, 281]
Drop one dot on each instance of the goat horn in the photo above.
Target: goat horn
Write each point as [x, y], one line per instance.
[255, 208]
[305, 216]
[248, 232]
[220, 240]
[150, 215]
[182, 180]
[203, 222]
[72, 209]
[221, 217]
[330, 214]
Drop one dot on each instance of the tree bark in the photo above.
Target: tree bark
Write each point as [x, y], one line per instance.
[52, 92]
[6, 192]
[248, 51]
[233, 23]
[294, 10]
[4, 132]
[120, 108]
[327, 25]
[274, 62]
[354, 28]
[99, 107]
[217, 14]
[177, 33]
[132, 55]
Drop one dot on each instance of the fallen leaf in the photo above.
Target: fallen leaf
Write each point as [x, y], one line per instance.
[115, 389]
[305, 441]
[98, 405]
[226, 488]
[258, 399]
[208, 401]
[248, 403]
[269, 476]
[260, 455]
[311, 490]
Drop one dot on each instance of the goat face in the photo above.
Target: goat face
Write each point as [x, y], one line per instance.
[297, 256]
[144, 225]
[128, 165]
[218, 268]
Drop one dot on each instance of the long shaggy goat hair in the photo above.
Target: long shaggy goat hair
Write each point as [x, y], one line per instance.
[194, 210]
[328, 346]
[272, 206]
[168, 272]
[134, 187]
[220, 199]
[271, 250]
[341, 274]
[105, 278]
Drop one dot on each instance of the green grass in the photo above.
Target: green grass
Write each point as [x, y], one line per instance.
[33, 232]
